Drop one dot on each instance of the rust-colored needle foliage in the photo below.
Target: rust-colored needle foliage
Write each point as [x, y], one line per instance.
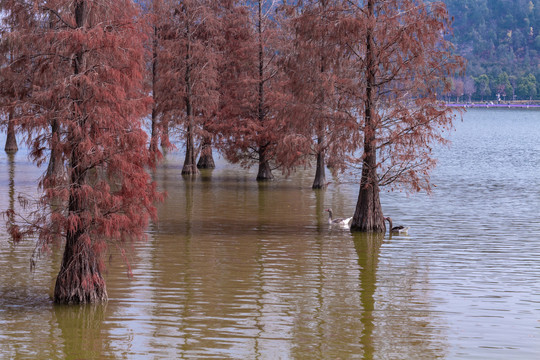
[155, 16]
[249, 121]
[11, 75]
[319, 113]
[403, 60]
[187, 70]
[86, 63]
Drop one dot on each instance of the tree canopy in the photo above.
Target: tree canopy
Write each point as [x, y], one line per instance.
[271, 83]
[84, 66]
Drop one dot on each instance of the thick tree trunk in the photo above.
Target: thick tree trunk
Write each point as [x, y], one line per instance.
[368, 216]
[190, 161]
[79, 280]
[206, 160]
[265, 172]
[11, 140]
[320, 176]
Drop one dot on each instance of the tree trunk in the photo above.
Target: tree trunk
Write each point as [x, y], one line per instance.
[265, 172]
[154, 129]
[164, 136]
[190, 161]
[79, 280]
[206, 160]
[320, 176]
[56, 165]
[11, 140]
[368, 216]
[153, 133]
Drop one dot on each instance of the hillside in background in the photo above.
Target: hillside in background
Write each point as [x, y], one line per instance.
[500, 39]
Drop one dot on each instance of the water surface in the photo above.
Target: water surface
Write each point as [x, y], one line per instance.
[240, 270]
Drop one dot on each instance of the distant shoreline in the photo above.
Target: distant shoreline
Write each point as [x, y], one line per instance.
[534, 106]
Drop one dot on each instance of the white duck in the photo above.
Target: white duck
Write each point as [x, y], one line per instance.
[400, 230]
[339, 221]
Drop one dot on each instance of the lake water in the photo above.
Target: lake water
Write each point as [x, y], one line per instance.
[240, 270]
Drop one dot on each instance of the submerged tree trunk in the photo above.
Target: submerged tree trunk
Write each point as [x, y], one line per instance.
[265, 172]
[206, 160]
[79, 280]
[11, 140]
[368, 216]
[190, 166]
[190, 161]
[320, 176]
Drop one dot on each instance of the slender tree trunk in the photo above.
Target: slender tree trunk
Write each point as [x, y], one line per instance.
[206, 160]
[320, 176]
[154, 127]
[79, 280]
[190, 161]
[153, 131]
[11, 140]
[164, 136]
[265, 172]
[56, 166]
[368, 216]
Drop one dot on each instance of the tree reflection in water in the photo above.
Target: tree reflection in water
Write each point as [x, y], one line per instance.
[368, 247]
[82, 331]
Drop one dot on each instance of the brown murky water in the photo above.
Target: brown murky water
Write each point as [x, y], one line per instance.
[240, 270]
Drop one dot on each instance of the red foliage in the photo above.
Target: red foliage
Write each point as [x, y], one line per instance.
[320, 112]
[86, 61]
[403, 61]
[249, 120]
[187, 69]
